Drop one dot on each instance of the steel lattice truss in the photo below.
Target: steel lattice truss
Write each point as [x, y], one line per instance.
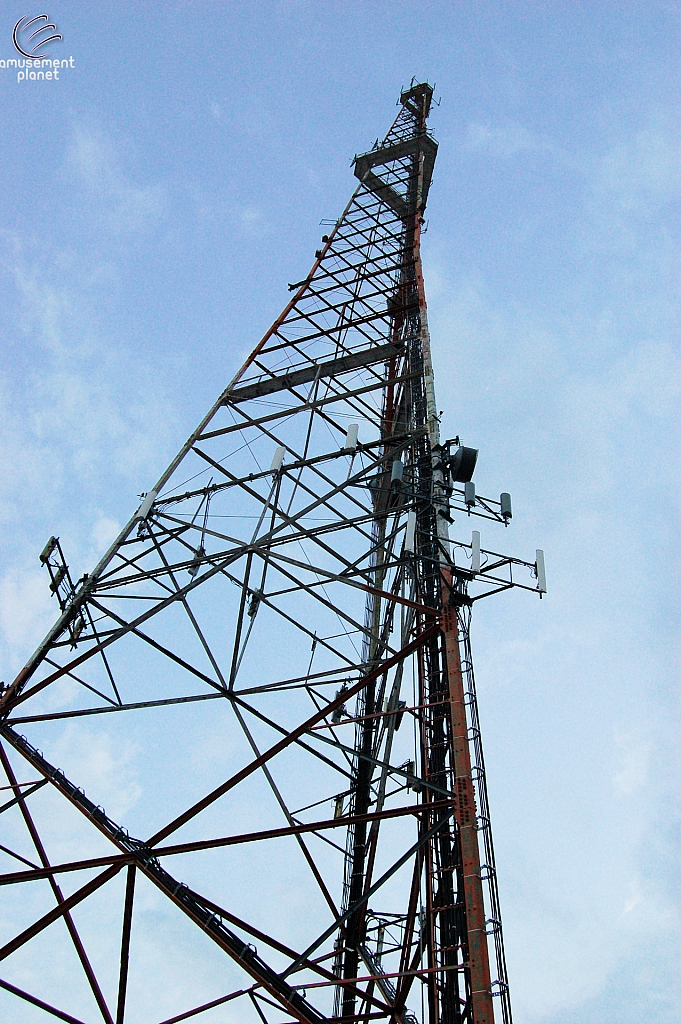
[292, 573]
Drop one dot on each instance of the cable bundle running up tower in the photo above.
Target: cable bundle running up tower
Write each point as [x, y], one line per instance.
[290, 583]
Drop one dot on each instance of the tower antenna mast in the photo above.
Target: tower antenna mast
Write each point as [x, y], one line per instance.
[290, 581]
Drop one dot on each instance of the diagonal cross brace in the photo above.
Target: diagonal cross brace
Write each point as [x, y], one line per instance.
[369, 892]
[227, 940]
[273, 982]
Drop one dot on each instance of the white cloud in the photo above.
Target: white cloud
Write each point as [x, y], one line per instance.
[25, 464]
[253, 222]
[25, 608]
[72, 406]
[104, 532]
[635, 896]
[106, 770]
[641, 171]
[632, 754]
[506, 139]
[577, 407]
[80, 413]
[120, 204]
[629, 181]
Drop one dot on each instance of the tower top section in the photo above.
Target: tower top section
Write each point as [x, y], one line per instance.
[417, 98]
[399, 170]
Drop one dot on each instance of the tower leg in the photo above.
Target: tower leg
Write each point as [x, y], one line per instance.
[480, 980]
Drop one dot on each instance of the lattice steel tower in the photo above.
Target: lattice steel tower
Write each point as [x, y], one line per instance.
[290, 582]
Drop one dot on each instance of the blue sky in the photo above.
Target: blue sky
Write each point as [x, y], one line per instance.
[155, 202]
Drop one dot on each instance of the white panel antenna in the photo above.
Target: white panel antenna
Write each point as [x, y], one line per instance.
[475, 551]
[410, 535]
[278, 459]
[541, 572]
[351, 437]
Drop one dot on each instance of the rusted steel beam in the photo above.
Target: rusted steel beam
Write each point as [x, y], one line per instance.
[312, 965]
[465, 813]
[39, 1003]
[370, 891]
[411, 973]
[59, 911]
[211, 844]
[286, 995]
[21, 796]
[58, 895]
[258, 762]
[125, 944]
[135, 706]
[207, 1006]
[278, 833]
[181, 896]
[229, 942]
[15, 694]
[406, 977]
